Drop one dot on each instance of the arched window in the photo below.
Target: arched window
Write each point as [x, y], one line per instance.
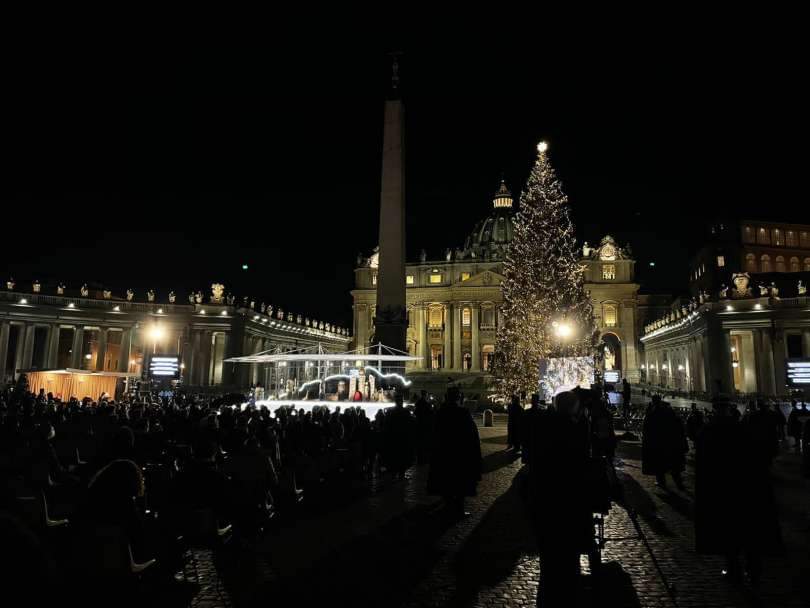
[794, 264]
[780, 264]
[610, 314]
[765, 261]
[488, 353]
[435, 317]
[435, 356]
[467, 358]
[750, 263]
[807, 264]
[764, 237]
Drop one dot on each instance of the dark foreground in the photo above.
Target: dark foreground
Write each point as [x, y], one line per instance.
[388, 546]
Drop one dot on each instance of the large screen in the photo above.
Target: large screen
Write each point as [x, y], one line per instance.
[558, 374]
[164, 367]
[798, 373]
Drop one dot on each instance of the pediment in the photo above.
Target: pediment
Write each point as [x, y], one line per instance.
[487, 278]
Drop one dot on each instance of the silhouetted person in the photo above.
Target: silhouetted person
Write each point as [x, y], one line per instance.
[399, 439]
[734, 505]
[794, 425]
[527, 427]
[513, 424]
[455, 461]
[762, 427]
[664, 446]
[559, 497]
[423, 411]
[627, 398]
[694, 423]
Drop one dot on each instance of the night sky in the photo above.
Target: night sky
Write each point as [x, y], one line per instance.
[170, 165]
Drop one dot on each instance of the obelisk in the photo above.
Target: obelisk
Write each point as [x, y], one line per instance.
[391, 321]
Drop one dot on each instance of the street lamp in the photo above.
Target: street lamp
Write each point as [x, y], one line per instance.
[156, 334]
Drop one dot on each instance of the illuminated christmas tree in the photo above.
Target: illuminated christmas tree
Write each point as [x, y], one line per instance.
[546, 311]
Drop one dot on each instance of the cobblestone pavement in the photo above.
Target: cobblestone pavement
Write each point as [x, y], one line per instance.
[392, 548]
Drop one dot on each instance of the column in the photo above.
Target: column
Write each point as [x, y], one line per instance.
[76, 351]
[779, 366]
[101, 350]
[193, 359]
[424, 354]
[5, 327]
[806, 342]
[476, 347]
[457, 364]
[126, 349]
[53, 347]
[28, 349]
[448, 342]
[205, 357]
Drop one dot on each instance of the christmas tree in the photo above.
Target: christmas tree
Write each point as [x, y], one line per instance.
[546, 311]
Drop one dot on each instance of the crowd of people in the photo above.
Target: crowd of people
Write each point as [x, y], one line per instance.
[153, 475]
[569, 447]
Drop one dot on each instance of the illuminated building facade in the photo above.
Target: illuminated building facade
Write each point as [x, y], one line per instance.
[97, 332]
[454, 303]
[767, 251]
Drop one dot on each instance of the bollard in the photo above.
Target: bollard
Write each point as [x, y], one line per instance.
[487, 417]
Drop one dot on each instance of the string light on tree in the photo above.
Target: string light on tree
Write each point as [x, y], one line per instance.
[546, 311]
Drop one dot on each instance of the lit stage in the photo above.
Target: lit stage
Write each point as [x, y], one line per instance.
[370, 407]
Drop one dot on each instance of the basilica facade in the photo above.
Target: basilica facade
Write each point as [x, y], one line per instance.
[454, 303]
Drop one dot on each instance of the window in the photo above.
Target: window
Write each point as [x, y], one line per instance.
[608, 272]
[409, 279]
[488, 354]
[610, 315]
[766, 263]
[750, 263]
[721, 261]
[467, 362]
[435, 317]
[764, 236]
[435, 356]
[794, 264]
[436, 278]
[466, 317]
[780, 264]
[790, 238]
[488, 316]
[777, 237]
[465, 276]
[807, 264]
[374, 279]
[748, 235]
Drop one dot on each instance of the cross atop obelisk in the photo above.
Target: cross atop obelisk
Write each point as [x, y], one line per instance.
[391, 321]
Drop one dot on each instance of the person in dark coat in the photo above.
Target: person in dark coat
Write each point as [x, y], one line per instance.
[694, 423]
[664, 445]
[423, 411]
[734, 503]
[513, 425]
[527, 426]
[762, 427]
[455, 461]
[399, 439]
[559, 497]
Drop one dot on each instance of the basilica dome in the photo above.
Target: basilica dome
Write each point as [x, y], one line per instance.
[491, 236]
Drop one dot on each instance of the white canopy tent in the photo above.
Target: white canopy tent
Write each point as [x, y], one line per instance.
[314, 365]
